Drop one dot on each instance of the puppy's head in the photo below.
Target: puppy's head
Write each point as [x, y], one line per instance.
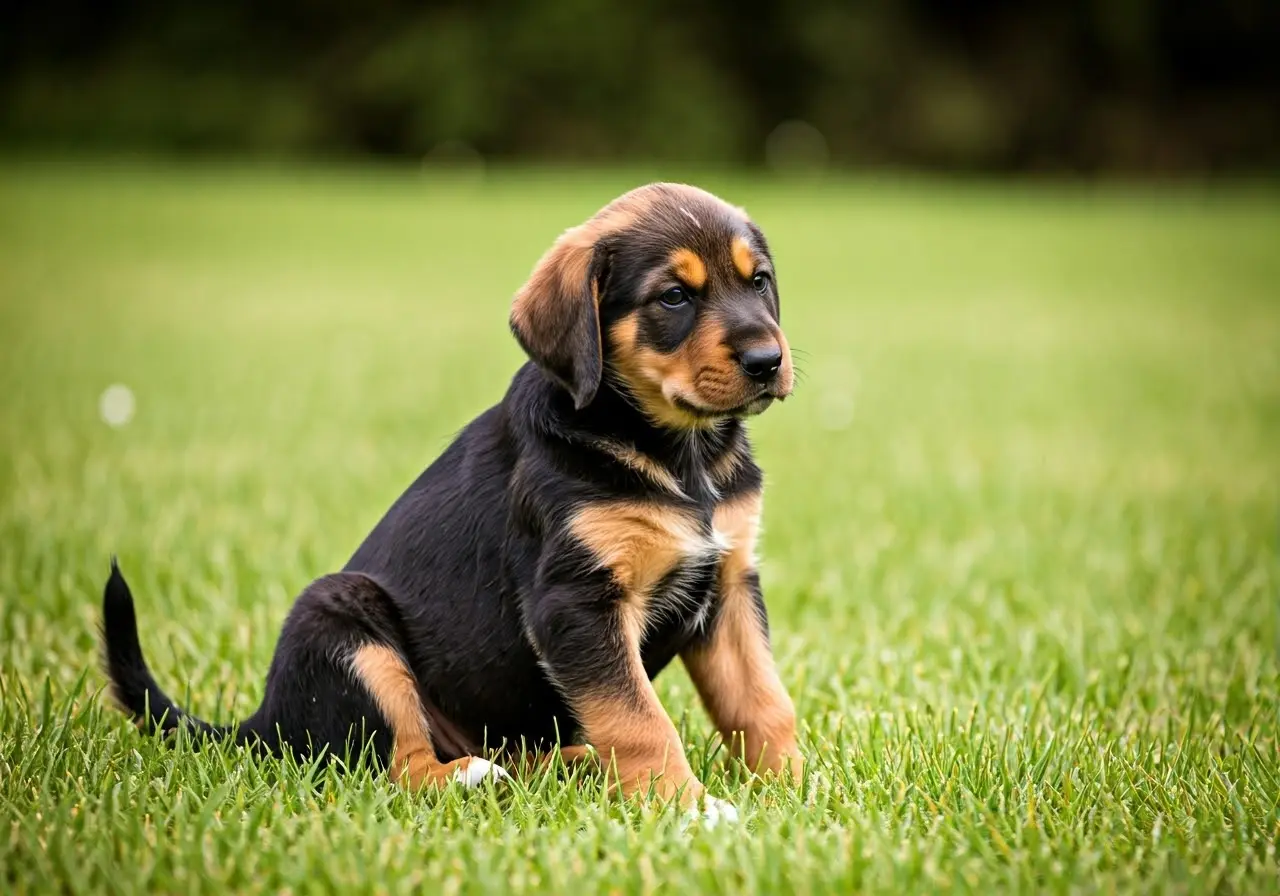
[671, 293]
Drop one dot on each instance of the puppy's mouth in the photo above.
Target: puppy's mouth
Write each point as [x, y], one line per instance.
[750, 408]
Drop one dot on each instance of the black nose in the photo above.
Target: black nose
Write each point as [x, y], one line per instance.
[761, 362]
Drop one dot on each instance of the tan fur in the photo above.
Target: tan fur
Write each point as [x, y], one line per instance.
[565, 264]
[556, 313]
[690, 268]
[744, 259]
[650, 376]
[786, 375]
[641, 463]
[701, 371]
[636, 741]
[562, 270]
[637, 542]
[734, 672]
[393, 687]
[717, 381]
[726, 466]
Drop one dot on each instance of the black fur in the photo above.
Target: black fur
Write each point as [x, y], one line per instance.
[472, 576]
[131, 682]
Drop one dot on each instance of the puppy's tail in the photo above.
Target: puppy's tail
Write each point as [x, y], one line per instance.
[131, 682]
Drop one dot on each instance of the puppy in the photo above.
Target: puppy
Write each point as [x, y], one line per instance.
[598, 522]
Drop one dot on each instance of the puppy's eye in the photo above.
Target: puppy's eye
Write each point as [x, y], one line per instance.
[761, 282]
[675, 297]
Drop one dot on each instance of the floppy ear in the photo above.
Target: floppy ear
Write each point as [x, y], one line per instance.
[556, 314]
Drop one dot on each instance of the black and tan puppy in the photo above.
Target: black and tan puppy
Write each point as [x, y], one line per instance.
[595, 524]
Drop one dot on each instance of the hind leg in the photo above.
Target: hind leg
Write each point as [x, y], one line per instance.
[412, 761]
[339, 680]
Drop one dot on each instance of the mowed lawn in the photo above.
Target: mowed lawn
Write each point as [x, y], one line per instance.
[1020, 548]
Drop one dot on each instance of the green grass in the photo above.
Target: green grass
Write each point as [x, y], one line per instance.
[1020, 545]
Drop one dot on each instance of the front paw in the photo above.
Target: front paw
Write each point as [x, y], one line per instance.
[716, 810]
[476, 771]
[710, 811]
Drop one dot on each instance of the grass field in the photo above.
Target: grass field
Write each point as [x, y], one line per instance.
[1020, 546]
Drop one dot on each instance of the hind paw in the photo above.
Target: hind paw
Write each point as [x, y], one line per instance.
[474, 772]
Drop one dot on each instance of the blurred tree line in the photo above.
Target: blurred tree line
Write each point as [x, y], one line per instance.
[1093, 85]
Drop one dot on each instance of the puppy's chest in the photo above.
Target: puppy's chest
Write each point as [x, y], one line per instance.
[664, 558]
[682, 599]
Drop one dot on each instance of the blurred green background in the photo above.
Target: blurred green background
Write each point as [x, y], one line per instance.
[1134, 85]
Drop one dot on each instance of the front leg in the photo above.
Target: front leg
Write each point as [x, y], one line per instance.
[589, 644]
[733, 667]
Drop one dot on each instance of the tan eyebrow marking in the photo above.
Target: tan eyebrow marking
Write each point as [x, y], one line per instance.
[689, 267]
[744, 260]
